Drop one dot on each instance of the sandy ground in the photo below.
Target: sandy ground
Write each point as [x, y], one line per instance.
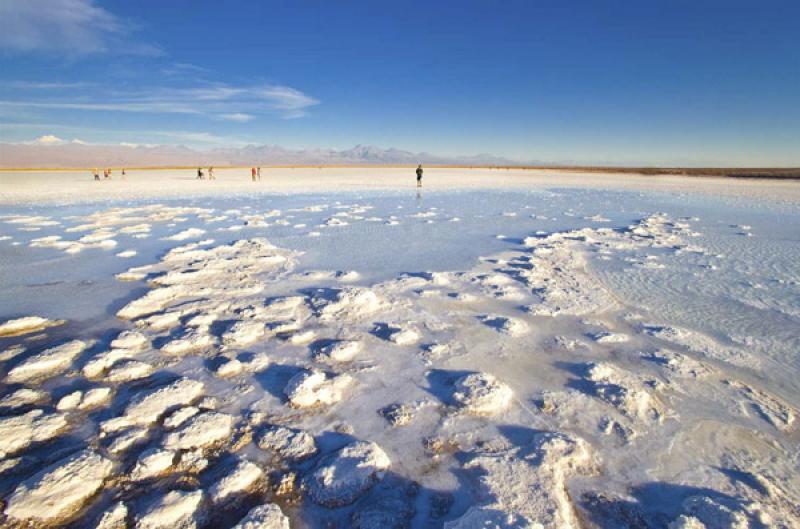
[66, 187]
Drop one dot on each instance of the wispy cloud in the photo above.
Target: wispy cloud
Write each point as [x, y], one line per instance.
[238, 117]
[66, 28]
[34, 85]
[183, 69]
[220, 101]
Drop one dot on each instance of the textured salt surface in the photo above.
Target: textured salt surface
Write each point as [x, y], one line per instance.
[561, 377]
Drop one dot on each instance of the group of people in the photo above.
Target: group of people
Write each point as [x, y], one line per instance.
[201, 176]
[107, 174]
[255, 174]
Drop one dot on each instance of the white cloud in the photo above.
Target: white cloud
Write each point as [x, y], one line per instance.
[232, 103]
[238, 117]
[76, 141]
[65, 27]
[49, 139]
[33, 85]
[286, 98]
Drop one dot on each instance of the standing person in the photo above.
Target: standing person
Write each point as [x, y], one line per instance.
[105, 174]
[109, 173]
[419, 175]
[199, 173]
[123, 173]
[96, 175]
[258, 171]
[253, 173]
[211, 173]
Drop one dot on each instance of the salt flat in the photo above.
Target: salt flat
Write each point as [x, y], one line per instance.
[337, 348]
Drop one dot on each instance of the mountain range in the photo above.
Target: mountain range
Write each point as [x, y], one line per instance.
[79, 154]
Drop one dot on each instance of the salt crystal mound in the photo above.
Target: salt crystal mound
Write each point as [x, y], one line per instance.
[341, 478]
[134, 340]
[114, 518]
[771, 408]
[287, 443]
[679, 364]
[128, 370]
[85, 400]
[48, 363]
[341, 351]
[245, 476]
[243, 333]
[268, 516]
[559, 263]
[482, 394]
[191, 233]
[201, 431]
[59, 491]
[313, 388]
[482, 517]
[27, 325]
[24, 397]
[20, 431]
[192, 340]
[509, 326]
[624, 391]
[528, 484]
[96, 366]
[222, 272]
[148, 406]
[153, 463]
[174, 510]
[702, 344]
[349, 304]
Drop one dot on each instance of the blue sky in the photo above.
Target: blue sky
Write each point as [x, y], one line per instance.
[629, 82]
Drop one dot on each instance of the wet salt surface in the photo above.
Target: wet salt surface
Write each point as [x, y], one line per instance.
[640, 350]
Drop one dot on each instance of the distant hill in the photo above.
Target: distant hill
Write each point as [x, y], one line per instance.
[65, 154]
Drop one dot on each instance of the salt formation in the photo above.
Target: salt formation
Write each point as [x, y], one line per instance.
[216, 273]
[286, 443]
[244, 476]
[312, 388]
[510, 326]
[84, 400]
[341, 351]
[24, 397]
[174, 510]
[201, 431]
[348, 304]
[128, 370]
[48, 363]
[58, 491]
[344, 476]
[482, 394]
[268, 516]
[148, 406]
[772, 409]
[114, 518]
[623, 390]
[130, 340]
[26, 325]
[528, 484]
[20, 431]
[191, 341]
[191, 233]
[701, 344]
[153, 463]
[243, 333]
